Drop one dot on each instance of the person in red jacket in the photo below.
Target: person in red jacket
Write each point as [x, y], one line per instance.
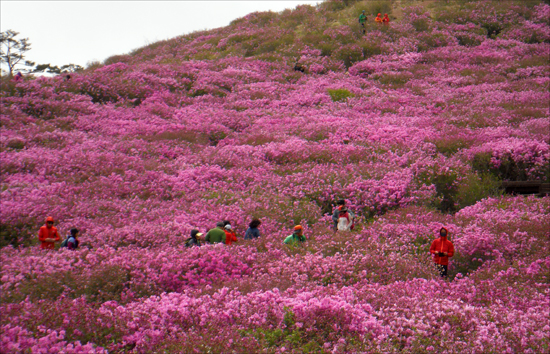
[442, 249]
[230, 235]
[378, 19]
[48, 235]
[386, 19]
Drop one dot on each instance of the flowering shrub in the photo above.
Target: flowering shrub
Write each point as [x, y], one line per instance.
[414, 124]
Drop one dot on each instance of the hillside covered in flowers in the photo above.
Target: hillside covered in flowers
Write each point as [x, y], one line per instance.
[415, 124]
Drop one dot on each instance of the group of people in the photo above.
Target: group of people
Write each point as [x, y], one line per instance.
[223, 233]
[343, 221]
[48, 236]
[381, 20]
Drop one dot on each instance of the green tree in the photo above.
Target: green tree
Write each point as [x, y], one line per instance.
[13, 50]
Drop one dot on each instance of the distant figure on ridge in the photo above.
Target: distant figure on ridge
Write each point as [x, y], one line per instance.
[48, 235]
[18, 76]
[296, 237]
[252, 232]
[386, 19]
[362, 20]
[194, 239]
[230, 235]
[216, 235]
[345, 220]
[442, 249]
[378, 19]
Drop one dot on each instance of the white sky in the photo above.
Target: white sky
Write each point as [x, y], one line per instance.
[79, 31]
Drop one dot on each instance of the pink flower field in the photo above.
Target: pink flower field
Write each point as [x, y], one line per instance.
[415, 124]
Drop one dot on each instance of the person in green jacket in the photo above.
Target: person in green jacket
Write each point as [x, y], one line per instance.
[362, 20]
[297, 236]
[216, 235]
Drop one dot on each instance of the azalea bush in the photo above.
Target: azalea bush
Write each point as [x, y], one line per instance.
[415, 124]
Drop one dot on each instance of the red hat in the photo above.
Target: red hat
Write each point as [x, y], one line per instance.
[49, 218]
[298, 227]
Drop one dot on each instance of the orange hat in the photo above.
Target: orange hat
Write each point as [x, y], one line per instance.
[49, 218]
[298, 227]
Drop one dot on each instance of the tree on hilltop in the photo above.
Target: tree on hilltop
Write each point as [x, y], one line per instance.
[13, 50]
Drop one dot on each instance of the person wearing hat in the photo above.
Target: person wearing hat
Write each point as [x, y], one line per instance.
[442, 249]
[378, 19]
[297, 236]
[48, 235]
[194, 239]
[386, 19]
[230, 235]
[216, 235]
[362, 20]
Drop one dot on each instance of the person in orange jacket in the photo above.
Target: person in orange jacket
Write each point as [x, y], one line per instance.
[378, 19]
[442, 249]
[386, 19]
[48, 235]
[230, 235]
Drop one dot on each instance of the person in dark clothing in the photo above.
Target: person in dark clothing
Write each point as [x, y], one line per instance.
[194, 239]
[252, 232]
[72, 241]
[299, 67]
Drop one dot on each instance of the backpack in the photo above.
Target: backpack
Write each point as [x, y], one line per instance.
[65, 242]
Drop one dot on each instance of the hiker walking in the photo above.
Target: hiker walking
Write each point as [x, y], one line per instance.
[230, 235]
[194, 239]
[345, 219]
[216, 235]
[252, 232]
[48, 235]
[362, 20]
[442, 249]
[71, 242]
[378, 19]
[296, 237]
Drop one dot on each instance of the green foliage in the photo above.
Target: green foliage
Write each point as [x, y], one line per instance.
[339, 95]
[395, 80]
[19, 234]
[117, 59]
[449, 146]
[371, 48]
[421, 24]
[474, 188]
[378, 7]
[446, 187]
[13, 50]
[508, 169]
[349, 54]
[105, 283]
